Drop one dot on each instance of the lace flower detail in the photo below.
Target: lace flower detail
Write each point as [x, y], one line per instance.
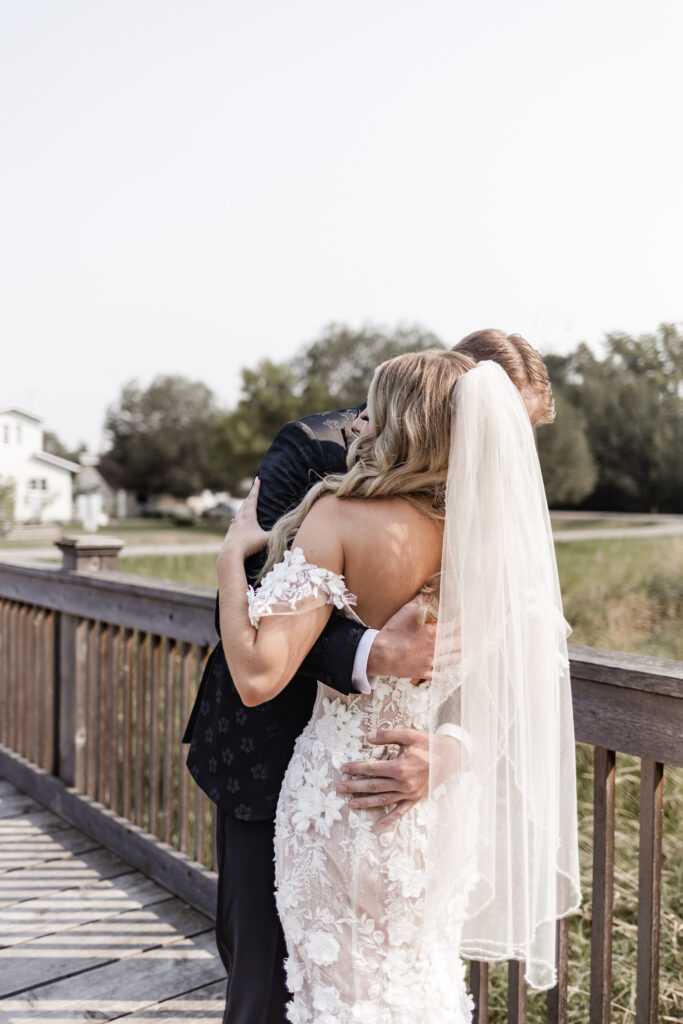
[292, 581]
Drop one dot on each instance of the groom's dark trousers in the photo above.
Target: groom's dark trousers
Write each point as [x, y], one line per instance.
[239, 755]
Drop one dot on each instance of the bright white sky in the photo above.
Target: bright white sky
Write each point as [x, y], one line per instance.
[188, 186]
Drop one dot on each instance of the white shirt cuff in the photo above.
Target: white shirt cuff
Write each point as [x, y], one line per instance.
[456, 732]
[361, 682]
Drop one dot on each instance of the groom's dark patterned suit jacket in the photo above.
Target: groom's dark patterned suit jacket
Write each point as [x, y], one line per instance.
[238, 755]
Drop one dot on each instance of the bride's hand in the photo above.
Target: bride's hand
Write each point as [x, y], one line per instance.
[245, 536]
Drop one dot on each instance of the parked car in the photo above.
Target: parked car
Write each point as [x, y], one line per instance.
[223, 510]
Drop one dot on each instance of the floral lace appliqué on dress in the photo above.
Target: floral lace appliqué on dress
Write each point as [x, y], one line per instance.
[293, 585]
[351, 900]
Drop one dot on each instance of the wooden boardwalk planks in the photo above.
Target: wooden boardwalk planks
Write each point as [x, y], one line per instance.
[85, 937]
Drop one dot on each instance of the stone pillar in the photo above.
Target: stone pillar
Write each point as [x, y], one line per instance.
[80, 554]
[90, 553]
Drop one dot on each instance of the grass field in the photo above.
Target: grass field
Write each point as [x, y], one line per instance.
[623, 595]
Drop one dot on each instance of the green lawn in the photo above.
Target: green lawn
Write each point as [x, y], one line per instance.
[624, 595]
[599, 523]
[198, 569]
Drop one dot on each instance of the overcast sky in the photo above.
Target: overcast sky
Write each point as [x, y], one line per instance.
[188, 186]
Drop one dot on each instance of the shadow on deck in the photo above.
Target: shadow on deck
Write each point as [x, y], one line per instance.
[83, 936]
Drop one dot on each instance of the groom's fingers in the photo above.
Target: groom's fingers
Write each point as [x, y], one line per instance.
[398, 737]
[376, 785]
[401, 808]
[376, 770]
[361, 803]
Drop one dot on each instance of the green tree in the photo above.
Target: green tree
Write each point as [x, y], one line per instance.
[162, 436]
[569, 469]
[333, 372]
[633, 407]
[7, 497]
[271, 395]
[53, 445]
[342, 360]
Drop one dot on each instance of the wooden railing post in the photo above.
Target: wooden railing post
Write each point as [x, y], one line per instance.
[603, 886]
[81, 554]
[649, 890]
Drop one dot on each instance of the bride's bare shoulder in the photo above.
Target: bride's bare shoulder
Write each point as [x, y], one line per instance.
[394, 519]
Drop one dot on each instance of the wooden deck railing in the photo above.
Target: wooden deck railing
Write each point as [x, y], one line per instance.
[98, 671]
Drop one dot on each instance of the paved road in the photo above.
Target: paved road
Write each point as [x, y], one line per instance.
[10, 554]
[661, 527]
[668, 529]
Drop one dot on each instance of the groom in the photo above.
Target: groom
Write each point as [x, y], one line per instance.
[238, 755]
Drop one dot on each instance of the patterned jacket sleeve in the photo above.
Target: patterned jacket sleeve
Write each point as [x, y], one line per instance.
[294, 462]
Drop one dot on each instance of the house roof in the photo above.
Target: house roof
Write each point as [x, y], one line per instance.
[22, 412]
[55, 460]
[111, 471]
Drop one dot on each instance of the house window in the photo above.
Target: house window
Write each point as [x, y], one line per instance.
[37, 484]
[5, 433]
[18, 433]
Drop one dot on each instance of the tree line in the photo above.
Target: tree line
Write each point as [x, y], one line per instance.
[615, 444]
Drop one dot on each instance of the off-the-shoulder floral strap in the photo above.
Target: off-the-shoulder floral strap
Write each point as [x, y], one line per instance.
[294, 586]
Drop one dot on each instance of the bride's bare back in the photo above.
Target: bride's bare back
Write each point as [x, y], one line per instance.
[390, 550]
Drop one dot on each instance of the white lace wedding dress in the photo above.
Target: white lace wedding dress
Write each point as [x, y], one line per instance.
[351, 900]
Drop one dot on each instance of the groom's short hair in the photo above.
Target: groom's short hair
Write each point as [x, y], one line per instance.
[519, 359]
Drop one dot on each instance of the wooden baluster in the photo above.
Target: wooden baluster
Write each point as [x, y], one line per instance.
[128, 694]
[92, 698]
[649, 890]
[31, 705]
[114, 706]
[80, 712]
[13, 688]
[37, 634]
[168, 793]
[4, 675]
[21, 677]
[140, 728]
[42, 723]
[556, 1004]
[603, 886]
[517, 994]
[51, 670]
[155, 727]
[200, 802]
[187, 674]
[104, 738]
[479, 987]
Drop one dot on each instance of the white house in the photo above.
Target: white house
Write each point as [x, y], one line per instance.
[43, 483]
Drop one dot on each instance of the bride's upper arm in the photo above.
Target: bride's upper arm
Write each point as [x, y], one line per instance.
[284, 640]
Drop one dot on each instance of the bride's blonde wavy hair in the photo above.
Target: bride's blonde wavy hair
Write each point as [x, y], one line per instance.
[405, 453]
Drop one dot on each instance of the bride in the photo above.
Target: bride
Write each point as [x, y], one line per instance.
[443, 498]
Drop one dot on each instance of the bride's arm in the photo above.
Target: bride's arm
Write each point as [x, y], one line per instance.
[263, 661]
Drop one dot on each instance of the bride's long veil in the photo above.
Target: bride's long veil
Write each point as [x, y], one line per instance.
[508, 688]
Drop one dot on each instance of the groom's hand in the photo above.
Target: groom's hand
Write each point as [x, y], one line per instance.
[402, 781]
[402, 648]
